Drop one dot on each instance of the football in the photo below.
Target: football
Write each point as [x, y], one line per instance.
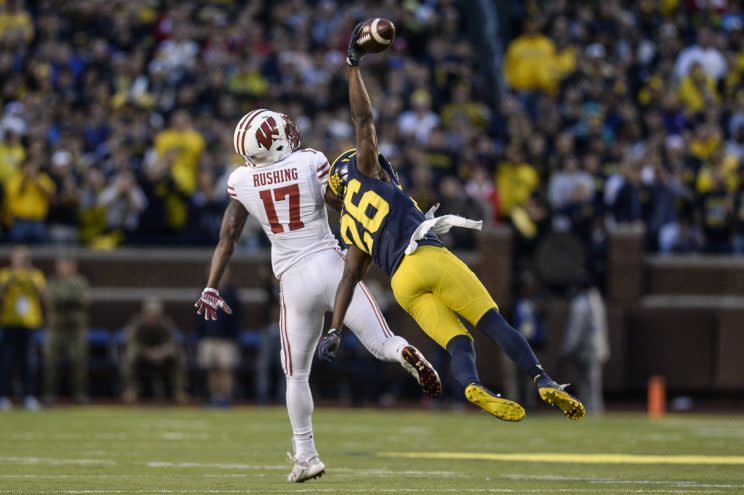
[376, 35]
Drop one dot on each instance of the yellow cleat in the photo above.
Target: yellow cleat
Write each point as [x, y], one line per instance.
[501, 408]
[570, 406]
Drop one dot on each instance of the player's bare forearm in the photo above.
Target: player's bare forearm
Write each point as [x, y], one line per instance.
[232, 226]
[364, 125]
[355, 267]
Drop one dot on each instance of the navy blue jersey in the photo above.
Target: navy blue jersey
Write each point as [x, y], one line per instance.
[379, 218]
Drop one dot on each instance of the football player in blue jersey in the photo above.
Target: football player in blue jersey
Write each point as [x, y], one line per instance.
[381, 223]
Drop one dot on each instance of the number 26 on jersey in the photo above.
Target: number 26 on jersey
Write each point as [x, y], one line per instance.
[362, 216]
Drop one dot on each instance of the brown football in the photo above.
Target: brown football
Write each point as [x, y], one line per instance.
[377, 35]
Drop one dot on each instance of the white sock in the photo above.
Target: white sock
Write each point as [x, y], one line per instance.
[304, 446]
[300, 409]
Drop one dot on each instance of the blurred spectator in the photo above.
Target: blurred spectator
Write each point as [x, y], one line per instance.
[217, 352]
[124, 202]
[16, 26]
[420, 120]
[715, 208]
[92, 216]
[482, 190]
[177, 55]
[21, 290]
[67, 299]
[165, 215]
[12, 153]
[185, 146]
[529, 61]
[663, 227]
[586, 343]
[439, 156]
[626, 207]
[703, 53]
[206, 208]
[28, 194]
[697, 90]
[63, 222]
[464, 112]
[516, 180]
[568, 183]
[152, 350]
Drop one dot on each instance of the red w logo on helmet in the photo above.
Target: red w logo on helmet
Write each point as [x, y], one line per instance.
[265, 133]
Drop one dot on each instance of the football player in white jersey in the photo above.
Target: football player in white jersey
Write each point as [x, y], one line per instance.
[284, 187]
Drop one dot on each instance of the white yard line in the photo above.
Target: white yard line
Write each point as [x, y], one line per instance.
[573, 458]
[166, 464]
[381, 473]
[180, 435]
[75, 476]
[56, 462]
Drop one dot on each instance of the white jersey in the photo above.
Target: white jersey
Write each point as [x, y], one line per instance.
[287, 198]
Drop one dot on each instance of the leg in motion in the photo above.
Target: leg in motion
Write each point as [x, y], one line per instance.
[441, 324]
[511, 341]
[462, 364]
[462, 292]
[300, 330]
[365, 319]
[516, 347]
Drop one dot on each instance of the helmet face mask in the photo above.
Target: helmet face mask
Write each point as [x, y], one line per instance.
[263, 137]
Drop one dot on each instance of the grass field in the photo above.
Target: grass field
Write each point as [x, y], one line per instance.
[100, 450]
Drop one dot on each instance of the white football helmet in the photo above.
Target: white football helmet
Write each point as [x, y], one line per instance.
[263, 137]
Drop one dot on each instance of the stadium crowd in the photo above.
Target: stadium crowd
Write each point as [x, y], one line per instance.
[631, 112]
[117, 116]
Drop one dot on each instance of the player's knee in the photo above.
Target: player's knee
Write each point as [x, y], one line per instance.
[492, 316]
[460, 343]
[297, 375]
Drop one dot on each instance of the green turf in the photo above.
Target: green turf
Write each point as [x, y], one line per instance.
[190, 451]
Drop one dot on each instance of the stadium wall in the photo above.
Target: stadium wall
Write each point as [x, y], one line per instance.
[681, 317]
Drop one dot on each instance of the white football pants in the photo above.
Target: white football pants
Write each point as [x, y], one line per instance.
[308, 291]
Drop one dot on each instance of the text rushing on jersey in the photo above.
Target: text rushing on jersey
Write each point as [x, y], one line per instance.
[268, 178]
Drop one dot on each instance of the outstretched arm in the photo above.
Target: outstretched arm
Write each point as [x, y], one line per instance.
[364, 125]
[355, 267]
[232, 226]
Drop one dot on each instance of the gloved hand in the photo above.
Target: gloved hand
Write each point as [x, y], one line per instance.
[209, 302]
[329, 344]
[354, 52]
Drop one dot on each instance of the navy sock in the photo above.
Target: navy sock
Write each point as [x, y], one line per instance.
[511, 341]
[462, 360]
